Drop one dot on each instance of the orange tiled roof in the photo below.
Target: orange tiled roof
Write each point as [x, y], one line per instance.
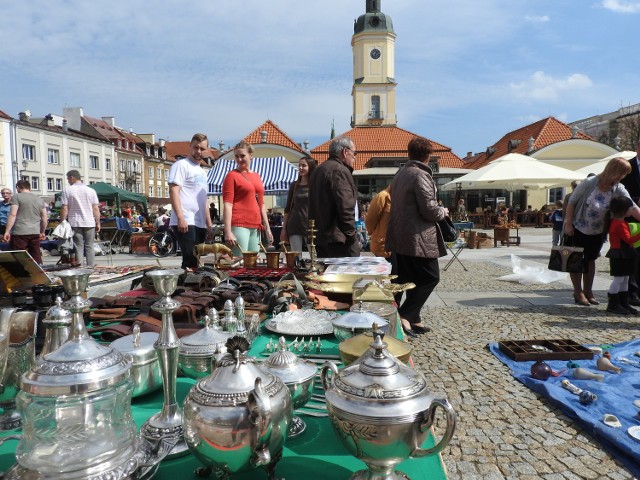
[4, 115]
[275, 136]
[386, 142]
[545, 132]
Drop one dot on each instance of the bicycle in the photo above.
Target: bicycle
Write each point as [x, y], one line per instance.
[163, 242]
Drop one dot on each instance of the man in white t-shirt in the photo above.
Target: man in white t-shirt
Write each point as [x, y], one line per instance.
[190, 219]
[81, 208]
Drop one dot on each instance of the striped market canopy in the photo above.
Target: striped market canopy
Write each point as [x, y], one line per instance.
[276, 174]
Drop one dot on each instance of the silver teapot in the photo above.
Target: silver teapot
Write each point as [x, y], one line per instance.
[237, 418]
[382, 411]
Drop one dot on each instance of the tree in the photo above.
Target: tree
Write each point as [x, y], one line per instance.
[629, 131]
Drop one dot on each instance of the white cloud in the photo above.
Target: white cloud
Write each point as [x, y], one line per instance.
[621, 6]
[544, 87]
[537, 18]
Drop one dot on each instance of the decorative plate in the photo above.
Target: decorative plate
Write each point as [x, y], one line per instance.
[302, 322]
[634, 431]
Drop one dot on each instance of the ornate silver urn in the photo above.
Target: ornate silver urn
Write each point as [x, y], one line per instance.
[237, 418]
[382, 411]
[198, 351]
[297, 375]
[76, 408]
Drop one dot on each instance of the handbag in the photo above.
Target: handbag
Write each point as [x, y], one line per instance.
[447, 230]
[565, 258]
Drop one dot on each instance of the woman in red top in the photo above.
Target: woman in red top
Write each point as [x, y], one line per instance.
[622, 256]
[245, 215]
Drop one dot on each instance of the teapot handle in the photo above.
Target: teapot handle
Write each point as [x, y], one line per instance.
[259, 405]
[428, 421]
[326, 380]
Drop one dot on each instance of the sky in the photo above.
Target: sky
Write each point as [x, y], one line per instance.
[467, 71]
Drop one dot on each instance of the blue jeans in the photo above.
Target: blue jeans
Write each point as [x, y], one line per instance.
[187, 241]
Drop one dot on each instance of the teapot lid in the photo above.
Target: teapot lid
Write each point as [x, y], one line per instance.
[359, 318]
[287, 366]
[379, 375]
[57, 316]
[233, 378]
[204, 341]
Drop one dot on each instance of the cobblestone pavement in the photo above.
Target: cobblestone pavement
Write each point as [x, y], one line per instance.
[506, 431]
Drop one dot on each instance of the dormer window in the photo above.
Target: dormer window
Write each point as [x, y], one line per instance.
[490, 151]
[513, 143]
[119, 143]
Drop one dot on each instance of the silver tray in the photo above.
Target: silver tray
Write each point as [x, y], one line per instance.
[302, 322]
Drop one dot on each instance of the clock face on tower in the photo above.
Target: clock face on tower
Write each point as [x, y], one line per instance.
[375, 53]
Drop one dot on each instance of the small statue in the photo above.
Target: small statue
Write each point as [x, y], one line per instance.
[584, 374]
[604, 364]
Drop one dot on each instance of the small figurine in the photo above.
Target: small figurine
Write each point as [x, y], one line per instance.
[587, 397]
[584, 374]
[571, 387]
[604, 364]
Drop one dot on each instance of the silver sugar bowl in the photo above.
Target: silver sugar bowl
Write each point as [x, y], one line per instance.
[356, 322]
[382, 411]
[145, 368]
[198, 350]
[237, 418]
[297, 374]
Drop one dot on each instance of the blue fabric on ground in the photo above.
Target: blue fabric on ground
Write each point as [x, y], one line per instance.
[615, 396]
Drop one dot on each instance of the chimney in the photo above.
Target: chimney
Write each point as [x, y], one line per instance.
[24, 116]
[74, 117]
[306, 145]
[469, 155]
[111, 121]
[532, 141]
[574, 131]
[65, 125]
[263, 136]
[221, 145]
[162, 142]
[49, 119]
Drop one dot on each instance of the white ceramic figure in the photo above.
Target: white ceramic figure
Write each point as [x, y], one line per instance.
[584, 374]
[605, 365]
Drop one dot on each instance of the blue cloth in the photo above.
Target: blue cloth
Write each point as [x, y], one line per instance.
[4, 212]
[615, 396]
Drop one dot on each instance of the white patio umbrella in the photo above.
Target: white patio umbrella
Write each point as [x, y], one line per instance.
[513, 172]
[598, 166]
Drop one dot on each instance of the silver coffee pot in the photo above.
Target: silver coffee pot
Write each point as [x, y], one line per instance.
[237, 418]
[382, 411]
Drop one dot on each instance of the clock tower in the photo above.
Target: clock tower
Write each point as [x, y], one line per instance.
[374, 86]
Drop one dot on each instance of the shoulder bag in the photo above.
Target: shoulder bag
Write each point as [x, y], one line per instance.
[565, 258]
[447, 230]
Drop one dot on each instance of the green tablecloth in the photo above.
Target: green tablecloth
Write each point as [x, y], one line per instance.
[317, 454]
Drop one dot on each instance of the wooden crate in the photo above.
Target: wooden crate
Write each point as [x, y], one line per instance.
[526, 350]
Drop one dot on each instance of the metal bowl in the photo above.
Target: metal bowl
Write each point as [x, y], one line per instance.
[357, 322]
[145, 369]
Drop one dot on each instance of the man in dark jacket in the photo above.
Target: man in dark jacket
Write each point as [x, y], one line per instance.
[632, 183]
[333, 202]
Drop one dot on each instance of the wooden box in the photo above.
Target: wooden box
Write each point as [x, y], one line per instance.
[526, 350]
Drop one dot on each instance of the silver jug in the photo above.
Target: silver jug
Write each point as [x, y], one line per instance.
[237, 418]
[20, 357]
[382, 411]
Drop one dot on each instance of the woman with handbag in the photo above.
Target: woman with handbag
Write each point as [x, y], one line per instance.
[245, 215]
[296, 211]
[413, 235]
[586, 223]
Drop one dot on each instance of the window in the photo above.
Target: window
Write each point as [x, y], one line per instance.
[58, 184]
[159, 173]
[555, 194]
[151, 190]
[107, 164]
[29, 152]
[166, 192]
[375, 107]
[93, 162]
[50, 184]
[123, 166]
[53, 156]
[151, 172]
[166, 174]
[74, 159]
[35, 183]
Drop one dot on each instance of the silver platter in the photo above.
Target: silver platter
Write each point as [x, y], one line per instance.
[302, 322]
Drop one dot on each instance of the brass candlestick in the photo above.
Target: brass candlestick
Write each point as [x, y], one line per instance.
[312, 246]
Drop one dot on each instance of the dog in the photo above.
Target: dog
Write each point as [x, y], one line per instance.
[215, 248]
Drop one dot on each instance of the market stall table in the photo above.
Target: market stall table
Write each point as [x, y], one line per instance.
[317, 454]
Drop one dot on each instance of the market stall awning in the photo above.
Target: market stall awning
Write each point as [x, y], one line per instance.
[276, 174]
